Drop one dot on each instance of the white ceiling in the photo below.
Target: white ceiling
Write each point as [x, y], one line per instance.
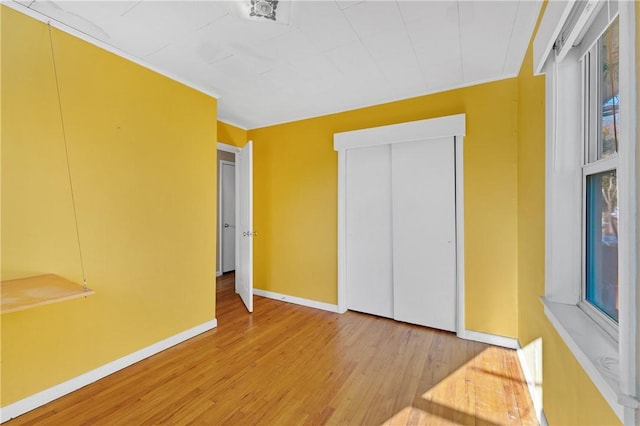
[330, 56]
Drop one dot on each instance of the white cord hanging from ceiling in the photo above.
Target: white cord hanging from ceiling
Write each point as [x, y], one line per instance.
[66, 151]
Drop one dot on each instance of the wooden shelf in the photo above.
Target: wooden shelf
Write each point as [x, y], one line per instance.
[30, 292]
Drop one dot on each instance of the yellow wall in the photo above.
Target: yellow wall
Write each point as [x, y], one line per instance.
[295, 199]
[231, 135]
[569, 396]
[142, 156]
[531, 214]
[142, 152]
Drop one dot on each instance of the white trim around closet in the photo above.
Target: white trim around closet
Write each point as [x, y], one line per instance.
[449, 126]
[452, 125]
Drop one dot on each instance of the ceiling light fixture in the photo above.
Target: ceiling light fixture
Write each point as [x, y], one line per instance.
[264, 9]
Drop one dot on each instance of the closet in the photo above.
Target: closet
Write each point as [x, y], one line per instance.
[398, 234]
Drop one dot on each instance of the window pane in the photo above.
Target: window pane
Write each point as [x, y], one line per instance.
[609, 91]
[602, 242]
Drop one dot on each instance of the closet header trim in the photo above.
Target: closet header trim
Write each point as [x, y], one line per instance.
[433, 128]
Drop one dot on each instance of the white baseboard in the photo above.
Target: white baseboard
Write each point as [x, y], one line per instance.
[491, 339]
[543, 419]
[41, 398]
[296, 300]
[531, 385]
[218, 273]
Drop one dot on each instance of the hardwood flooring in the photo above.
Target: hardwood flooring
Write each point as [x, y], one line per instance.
[290, 365]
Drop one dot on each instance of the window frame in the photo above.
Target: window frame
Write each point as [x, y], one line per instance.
[612, 365]
[600, 318]
[591, 165]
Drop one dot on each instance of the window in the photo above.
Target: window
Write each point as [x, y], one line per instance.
[600, 183]
[601, 243]
[586, 50]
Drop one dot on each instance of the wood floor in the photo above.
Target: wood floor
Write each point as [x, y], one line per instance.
[291, 365]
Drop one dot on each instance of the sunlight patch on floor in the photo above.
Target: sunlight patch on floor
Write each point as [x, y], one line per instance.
[485, 390]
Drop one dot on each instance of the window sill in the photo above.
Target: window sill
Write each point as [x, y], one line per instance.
[595, 350]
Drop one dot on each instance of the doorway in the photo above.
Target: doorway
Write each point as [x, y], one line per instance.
[226, 259]
[228, 215]
[235, 218]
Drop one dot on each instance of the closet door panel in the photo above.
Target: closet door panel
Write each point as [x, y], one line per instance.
[368, 223]
[424, 262]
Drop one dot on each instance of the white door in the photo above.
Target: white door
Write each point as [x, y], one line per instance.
[369, 242]
[400, 216]
[244, 214]
[228, 215]
[424, 231]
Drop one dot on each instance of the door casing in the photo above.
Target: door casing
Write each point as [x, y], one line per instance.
[449, 126]
[236, 150]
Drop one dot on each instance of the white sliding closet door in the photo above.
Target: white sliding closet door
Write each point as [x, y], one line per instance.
[400, 221]
[368, 239]
[424, 232]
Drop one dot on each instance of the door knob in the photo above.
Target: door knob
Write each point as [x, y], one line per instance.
[226, 225]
